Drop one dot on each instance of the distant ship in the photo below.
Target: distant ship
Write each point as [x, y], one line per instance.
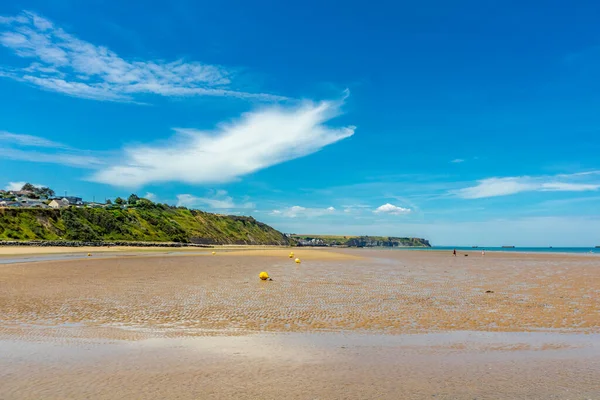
[474, 247]
[508, 247]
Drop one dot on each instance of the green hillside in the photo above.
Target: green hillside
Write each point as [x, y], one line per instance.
[146, 222]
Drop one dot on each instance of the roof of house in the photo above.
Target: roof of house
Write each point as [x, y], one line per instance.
[63, 202]
[11, 204]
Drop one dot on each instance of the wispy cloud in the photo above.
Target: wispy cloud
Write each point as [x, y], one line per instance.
[13, 144]
[391, 210]
[27, 140]
[258, 140]
[457, 161]
[576, 204]
[63, 63]
[299, 211]
[354, 208]
[493, 187]
[215, 200]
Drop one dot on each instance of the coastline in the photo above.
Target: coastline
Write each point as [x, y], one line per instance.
[32, 249]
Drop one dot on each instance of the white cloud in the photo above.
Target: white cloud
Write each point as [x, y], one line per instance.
[294, 211]
[27, 140]
[19, 185]
[64, 155]
[391, 209]
[496, 187]
[63, 158]
[457, 161]
[63, 63]
[258, 140]
[568, 187]
[298, 211]
[215, 200]
[493, 187]
[150, 196]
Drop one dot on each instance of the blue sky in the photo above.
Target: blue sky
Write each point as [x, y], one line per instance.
[466, 122]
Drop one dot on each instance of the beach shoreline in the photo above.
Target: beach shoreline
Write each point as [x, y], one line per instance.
[31, 250]
[342, 323]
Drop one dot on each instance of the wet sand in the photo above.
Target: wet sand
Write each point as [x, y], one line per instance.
[307, 366]
[344, 324]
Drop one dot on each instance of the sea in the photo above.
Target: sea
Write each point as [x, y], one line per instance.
[569, 250]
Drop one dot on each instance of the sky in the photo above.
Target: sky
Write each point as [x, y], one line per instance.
[464, 122]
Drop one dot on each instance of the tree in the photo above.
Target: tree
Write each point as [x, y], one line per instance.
[109, 202]
[46, 192]
[28, 187]
[133, 199]
[145, 203]
[119, 201]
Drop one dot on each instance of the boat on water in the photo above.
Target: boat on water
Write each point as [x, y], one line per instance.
[474, 247]
[508, 247]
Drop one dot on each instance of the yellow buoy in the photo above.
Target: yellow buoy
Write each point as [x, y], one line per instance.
[214, 252]
[263, 275]
[297, 261]
[291, 255]
[89, 254]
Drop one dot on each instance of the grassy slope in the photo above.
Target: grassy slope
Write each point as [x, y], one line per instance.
[154, 223]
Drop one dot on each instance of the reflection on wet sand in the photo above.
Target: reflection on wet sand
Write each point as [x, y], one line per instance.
[457, 365]
[382, 325]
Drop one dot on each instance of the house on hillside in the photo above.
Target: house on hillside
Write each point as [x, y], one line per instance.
[23, 193]
[59, 203]
[10, 203]
[311, 242]
[69, 200]
[91, 204]
[26, 202]
[73, 201]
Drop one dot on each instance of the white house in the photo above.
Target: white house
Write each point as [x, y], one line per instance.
[62, 203]
[74, 201]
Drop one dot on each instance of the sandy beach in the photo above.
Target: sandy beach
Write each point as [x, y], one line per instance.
[6, 251]
[346, 324]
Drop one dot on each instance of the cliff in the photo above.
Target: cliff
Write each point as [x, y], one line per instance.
[376, 241]
[359, 241]
[152, 222]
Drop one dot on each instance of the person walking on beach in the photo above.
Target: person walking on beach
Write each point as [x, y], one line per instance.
[454, 252]
[483, 252]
